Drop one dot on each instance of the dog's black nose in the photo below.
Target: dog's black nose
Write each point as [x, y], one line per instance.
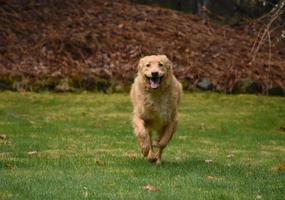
[154, 74]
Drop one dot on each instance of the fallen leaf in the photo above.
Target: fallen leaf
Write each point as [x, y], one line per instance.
[203, 127]
[32, 122]
[3, 137]
[281, 168]
[209, 161]
[121, 26]
[85, 192]
[211, 177]
[151, 188]
[230, 155]
[98, 162]
[32, 153]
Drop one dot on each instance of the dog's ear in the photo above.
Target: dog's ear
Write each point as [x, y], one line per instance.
[170, 64]
[167, 61]
[140, 64]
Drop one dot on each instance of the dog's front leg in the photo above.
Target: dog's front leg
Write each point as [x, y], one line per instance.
[164, 138]
[144, 139]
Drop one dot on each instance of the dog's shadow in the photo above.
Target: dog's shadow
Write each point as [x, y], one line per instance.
[192, 165]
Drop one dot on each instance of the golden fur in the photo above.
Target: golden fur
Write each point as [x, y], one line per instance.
[155, 104]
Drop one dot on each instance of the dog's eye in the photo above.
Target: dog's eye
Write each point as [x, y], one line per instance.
[147, 65]
[160, 65]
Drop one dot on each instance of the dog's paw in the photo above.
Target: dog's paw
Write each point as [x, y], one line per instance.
[158, 162]
[158, 158]
[151, 156]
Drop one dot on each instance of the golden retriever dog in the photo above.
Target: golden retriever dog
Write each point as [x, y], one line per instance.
[155, 95]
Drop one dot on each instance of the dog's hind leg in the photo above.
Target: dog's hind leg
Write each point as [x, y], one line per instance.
[164, 138]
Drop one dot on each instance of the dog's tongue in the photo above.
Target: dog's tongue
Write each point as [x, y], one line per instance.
[154, 83]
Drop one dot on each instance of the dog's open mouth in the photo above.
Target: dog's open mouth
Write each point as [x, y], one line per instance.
[154, 82]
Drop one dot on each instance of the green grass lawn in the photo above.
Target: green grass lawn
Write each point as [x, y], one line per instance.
[82, 146]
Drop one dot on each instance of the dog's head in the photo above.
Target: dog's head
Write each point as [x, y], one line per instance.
[155, 70]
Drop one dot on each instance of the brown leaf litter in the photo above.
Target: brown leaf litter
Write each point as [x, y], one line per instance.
[61, 45]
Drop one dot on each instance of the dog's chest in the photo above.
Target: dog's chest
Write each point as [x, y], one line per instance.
[158, 109]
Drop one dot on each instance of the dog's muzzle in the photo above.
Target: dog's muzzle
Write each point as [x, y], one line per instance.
[154, 81]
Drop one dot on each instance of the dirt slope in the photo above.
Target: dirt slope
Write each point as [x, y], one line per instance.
[96, 44]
